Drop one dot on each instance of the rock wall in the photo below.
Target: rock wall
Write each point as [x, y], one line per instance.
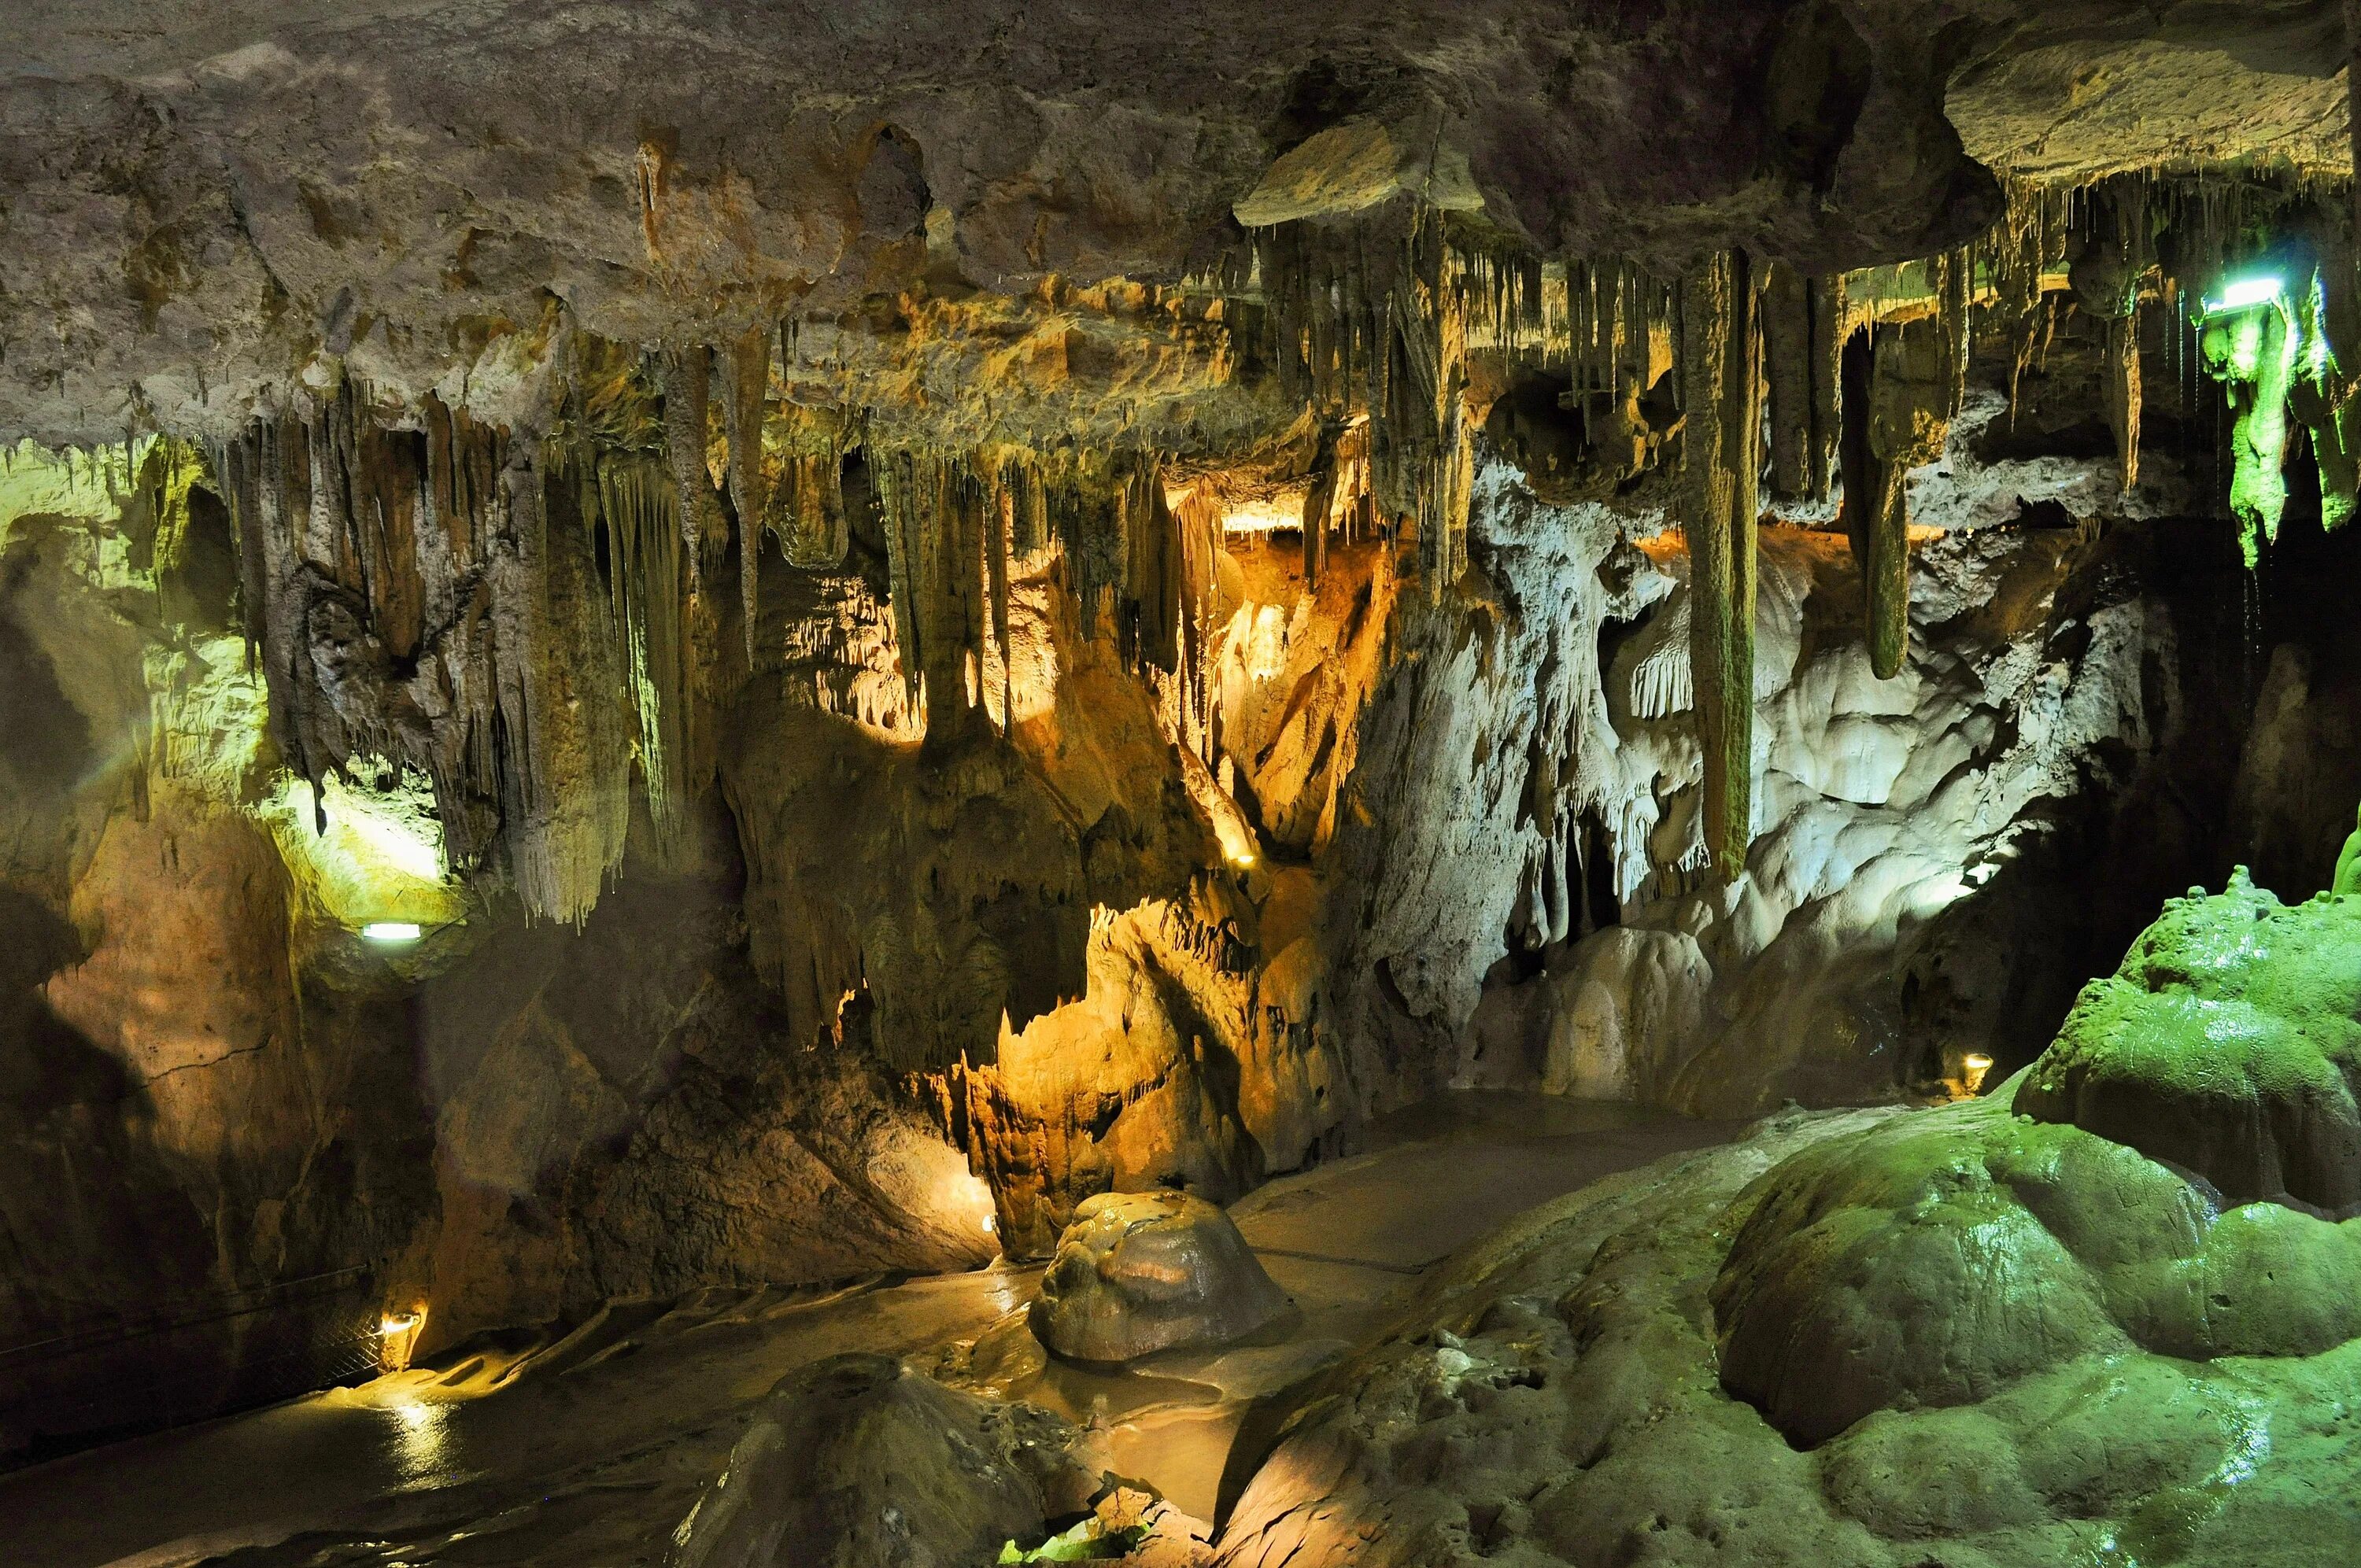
[237, 1131]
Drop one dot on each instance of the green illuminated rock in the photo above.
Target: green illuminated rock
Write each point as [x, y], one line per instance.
[2226, 1044]
[2254, 351]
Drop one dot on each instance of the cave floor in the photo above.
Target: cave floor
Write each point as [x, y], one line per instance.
[587, 1453]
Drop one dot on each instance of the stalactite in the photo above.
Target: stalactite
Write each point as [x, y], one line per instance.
[1427, 458]
[2254, 354]
[565, 804]
[1721, 382]
[1825, 297]
[1153, 568]
[898, 503]
[634, 499]
[1376, 317]
[684, 372]
[1197, 522]
[396, 578]
[1800, 322]
[1864, 479]
[750, 381]
[1787, 360]
[2353, 120]
[2123, 395]
[1899, 387]
[951, 596]
[1954, 324]
[954, 522]
[1884, 557]
[1000, 525]
[807, 447]
[1319, 505]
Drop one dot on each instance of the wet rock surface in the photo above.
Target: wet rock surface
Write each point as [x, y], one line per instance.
[587, 1444]
[2226, 1046]
[1576, 1390]
[1141, 1272]
[858, 1461]
[1862, 1337]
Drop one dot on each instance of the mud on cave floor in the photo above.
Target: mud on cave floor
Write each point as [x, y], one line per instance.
[588, 1451]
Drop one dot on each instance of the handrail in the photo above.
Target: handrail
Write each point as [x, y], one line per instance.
[217, 1309]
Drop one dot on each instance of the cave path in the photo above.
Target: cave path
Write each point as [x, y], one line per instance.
[595, 1465]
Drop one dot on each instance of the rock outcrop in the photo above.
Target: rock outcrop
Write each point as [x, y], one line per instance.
[1914, 1332]
[858, 1461]
[1140, 1272]
[2227, 1045]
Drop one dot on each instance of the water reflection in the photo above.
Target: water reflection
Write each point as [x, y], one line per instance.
[423, 1453]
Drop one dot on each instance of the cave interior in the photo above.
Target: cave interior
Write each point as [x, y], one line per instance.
[957, 781]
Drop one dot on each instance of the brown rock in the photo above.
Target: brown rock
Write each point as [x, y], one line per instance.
[1140, 1272]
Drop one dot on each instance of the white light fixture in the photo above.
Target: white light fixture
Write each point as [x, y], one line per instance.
[2245, 293]
[392, 931]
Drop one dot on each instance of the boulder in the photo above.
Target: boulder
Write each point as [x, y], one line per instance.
[1140, 1272]
[858, 1461]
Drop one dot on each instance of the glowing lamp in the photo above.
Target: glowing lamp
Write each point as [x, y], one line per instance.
[397, 1338]
[2246, 294]
[392, 931]
[1973, 1068]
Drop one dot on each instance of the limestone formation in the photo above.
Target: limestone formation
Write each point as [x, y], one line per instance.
[646, 649]
[859, 1460]
[2225, 1046]
[1140, 1272]
[1721, 359]
[1940, 1331]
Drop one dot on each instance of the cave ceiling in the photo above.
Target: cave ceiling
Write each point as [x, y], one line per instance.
[207, 205]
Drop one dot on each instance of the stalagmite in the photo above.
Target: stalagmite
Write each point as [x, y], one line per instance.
[1721, 381]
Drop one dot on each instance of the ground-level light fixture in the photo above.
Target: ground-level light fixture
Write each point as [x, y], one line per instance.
[397, 1338]
[1973, 1068]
